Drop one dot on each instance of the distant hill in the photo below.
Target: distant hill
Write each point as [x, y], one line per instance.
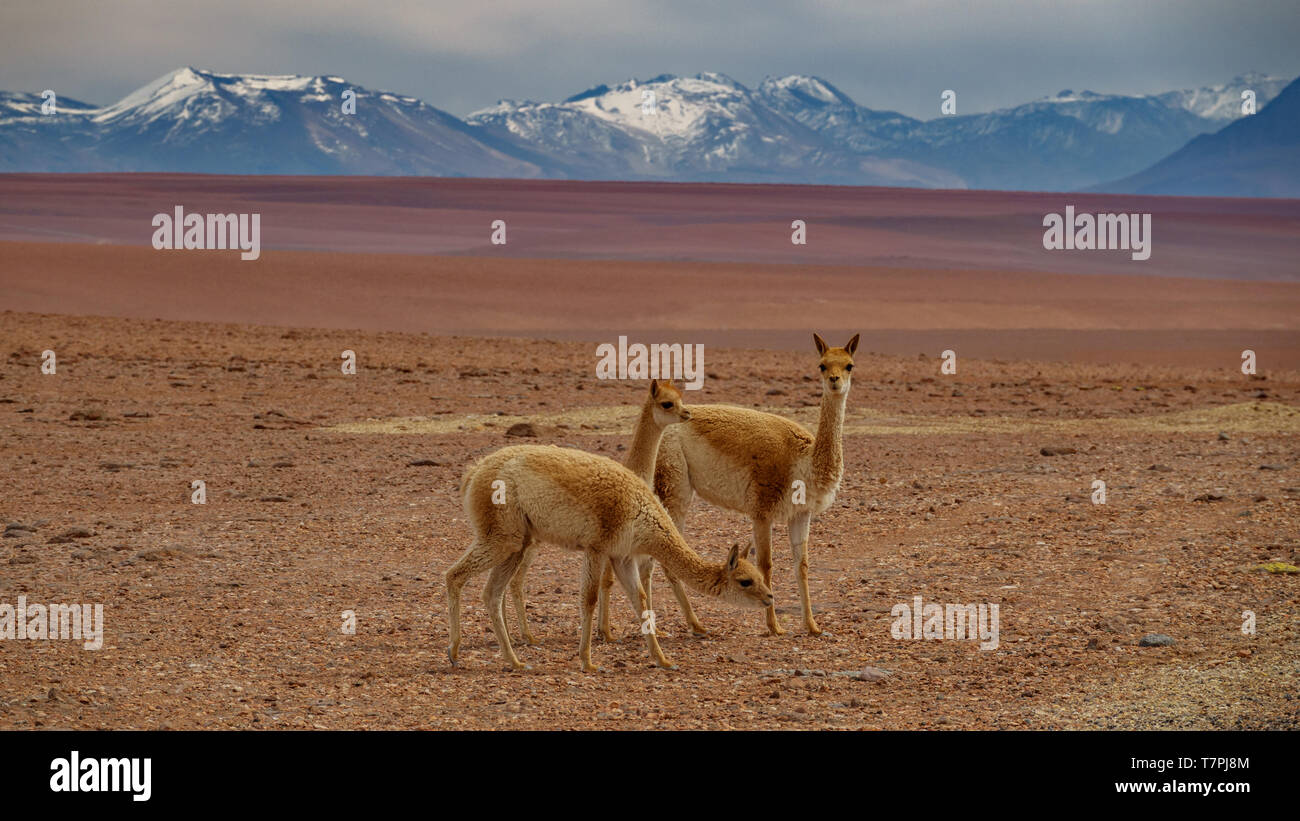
[1256, 156]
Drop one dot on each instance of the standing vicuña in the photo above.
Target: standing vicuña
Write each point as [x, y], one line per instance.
[751, 462]
[583, 502]
[663, 407]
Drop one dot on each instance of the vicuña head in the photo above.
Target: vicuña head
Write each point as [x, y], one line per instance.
[836, 364]
[740, 583]
[667, 408]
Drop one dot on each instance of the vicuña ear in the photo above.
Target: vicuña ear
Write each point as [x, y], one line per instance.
[853, 344]
[734, 557]
[654, 387]
[821, 344]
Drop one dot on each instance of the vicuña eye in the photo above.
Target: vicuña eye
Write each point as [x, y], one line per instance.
[746, 582]
[667, 405]
[823, 367]
[848, 367]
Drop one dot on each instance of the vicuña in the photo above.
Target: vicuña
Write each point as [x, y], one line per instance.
[663, 407]
[765, 466]
[582, 502]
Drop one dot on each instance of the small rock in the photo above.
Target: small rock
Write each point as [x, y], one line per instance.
[871, 674]
[423, 463]
[1155, 640]
[522, 429]
[70, 534]
[1223, 437]
[1208, 497]
[1161, 468]
[1057, 451]
[89, 413]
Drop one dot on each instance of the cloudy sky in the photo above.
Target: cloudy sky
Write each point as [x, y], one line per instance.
[460, 56]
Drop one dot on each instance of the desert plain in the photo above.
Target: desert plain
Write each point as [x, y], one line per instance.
[329, 493]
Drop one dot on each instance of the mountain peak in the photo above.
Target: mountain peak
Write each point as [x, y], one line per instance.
[806, 87]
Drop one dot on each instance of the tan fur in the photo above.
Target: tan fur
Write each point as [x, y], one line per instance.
[583, 502]
[663, 407]
[748, 461]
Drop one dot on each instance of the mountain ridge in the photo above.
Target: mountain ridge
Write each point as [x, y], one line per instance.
[705, 127]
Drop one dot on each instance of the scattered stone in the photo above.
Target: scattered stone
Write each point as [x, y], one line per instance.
[1208, 497]
[1057, 451]
[871, 674]
[273, 499]
[70, 535]
[1161, 468]
[89, 413]
[1155, 640]
[1272, 467]
[423, 463]
[776, 392]
[137, 414]
[1223, 437]
[522, 429]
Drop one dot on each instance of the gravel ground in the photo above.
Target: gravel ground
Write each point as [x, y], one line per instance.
[329, 493]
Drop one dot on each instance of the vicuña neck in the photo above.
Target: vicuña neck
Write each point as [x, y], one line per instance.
[676, 556]
[645, 446]
[828, 448]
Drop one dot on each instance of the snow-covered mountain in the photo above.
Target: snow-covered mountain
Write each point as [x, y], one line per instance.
[706, 127]
[204, 122]
[830, 112]
[1223, 102]
[1066, 141]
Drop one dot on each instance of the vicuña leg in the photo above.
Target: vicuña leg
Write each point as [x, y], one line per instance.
[606, 584]
[479, 557]
[799, 546]
[673, 485]
[593, 567]
[517, 590]
[763, 547]
[494, 594]
[627, 569]
[679, 589]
